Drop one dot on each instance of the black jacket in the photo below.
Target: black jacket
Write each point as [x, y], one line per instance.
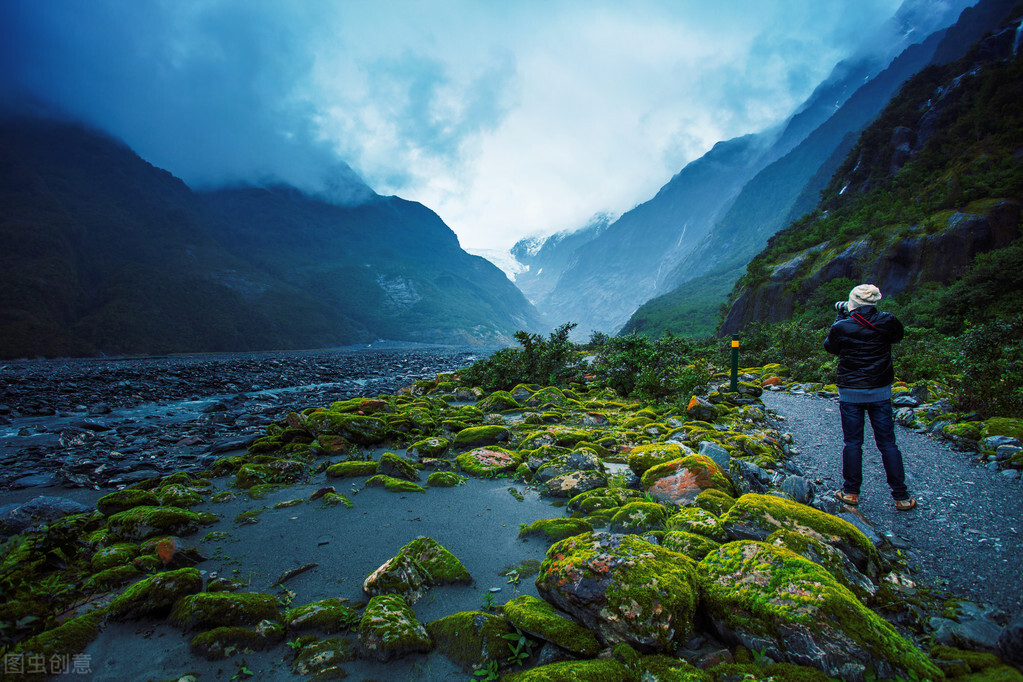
[863, 342]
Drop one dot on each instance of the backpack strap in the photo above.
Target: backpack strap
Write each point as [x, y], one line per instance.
[863, 322]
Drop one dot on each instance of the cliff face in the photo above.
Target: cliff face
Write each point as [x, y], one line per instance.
[936, 180]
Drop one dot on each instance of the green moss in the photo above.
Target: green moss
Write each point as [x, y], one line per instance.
[389, 628]
[767, 673]
[538, 618]
[645, 456]
[595, 670]
[179, 495]
[225, 496]
[667, 669]
[351, 469]
[224, 642]
[639, 517]
[479, 436]
[261, 490]
[290, 503]
[114, 577]
[699, 521]
[323, 659]
[488, 461]
[361, 429]
[114, 555]
[393, 465]
[440, 565]
[681, 480]
[69, 638]
[499, 401]
[154, 596]
[444, 479]
[715, 501]
[471, 638]
[248, 517]
[608, 498]
[207, 610]
[327, 615]
[1004, 426]
[553, 530]
[334, 499]
[431, 447]
[128, 498]
[394, 485]
[273, 471]
[139, 523]
[693, 546]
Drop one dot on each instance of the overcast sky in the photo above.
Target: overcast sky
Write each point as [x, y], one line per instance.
[507, 117]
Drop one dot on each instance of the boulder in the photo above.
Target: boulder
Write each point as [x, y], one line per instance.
[156, 595]
[643, 457]
[471, 638]
[389, 629]
[698, 521]
[639, 517]
[574, 483]
[576, 460]
[207, 610]
[681, 480]
[772, 600]
[539, 619]
[623, 589]
[488, 461]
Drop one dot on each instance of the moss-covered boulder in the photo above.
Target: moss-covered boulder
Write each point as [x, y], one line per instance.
[398, 575]
[622, 588]
[692, 545]
[442, 567]
[444, 479]
[56, 644]
[333, 446]
[602, 498]
[771, 599]
[120, 500]
[715, 501]
[480, 436]
[327, 615]
[224, 642]
[539, 619]
[553, 530]
[389, 629]
[428, 448]
[360, 429]
[594, 670]
[831, 559]
[681, 480]
[154, 596]
[560, 464]
[755, 517]
[1003, 426]
[394, 485]
[548, 395]
[207, 610]
[396, 467]
[488, 461]
[471, 638]
[499, 401]
[352, 469]
[275, 471]
[323, 658]
[573, 483]
[117, 554]
[699, 521]
[642, 457]
[139, 523]
[639, 517]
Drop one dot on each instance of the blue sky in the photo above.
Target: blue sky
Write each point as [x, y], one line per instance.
[508, 117]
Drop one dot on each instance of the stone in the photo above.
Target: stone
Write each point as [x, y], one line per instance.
[642, 457]
[327, 615]
[701, 410]
[692, 545]
[1010, 643]
[472, 638]
[748, 477]
[396, 467]
[717, 453]
[798, 488]
[698, 521]
[639, 517]
[488, 461]
[539, 619]
[574, 483]
[207, 610]
[34, 481]
[480, 436]
[389, 630]
[681, 480]
[156, 595]
[623, 589]
[576, 460]
[38, 511]
[772, 600]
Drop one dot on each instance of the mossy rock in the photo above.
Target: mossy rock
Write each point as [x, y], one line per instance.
[594, 670]
[114, 555]
[772, 672]
[444, 479]
[639, 517]
[488, 461]
[208, 610]
[499, 401]
[715, 501]
[681, 480]
[114, 577]
[333, 446]
[393, 465]
[67, 639]
[394, 485]
[351, 469]
[573, 483]
[616, 496]
[179, 495]
[699, 521]
[442, 567]
[548, 395]
[553, 530]
[276, 471]
[1003, 426]
[400, 574]
[643, 457]
[692, 545]
[327, 615]
[389, 629]
[156, 595]
[539, 619]
[773, 600]
[224, 642]
[431, 447]
[622, 588]
[575, 460]
[139, 523]
[471, 638]
[322, 659]
[963, 432]
[360, 429]
[833, 560]
[128, 498]
[755, 517]
[481, 436]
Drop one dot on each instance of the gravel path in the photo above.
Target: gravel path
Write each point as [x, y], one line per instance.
[966, 533]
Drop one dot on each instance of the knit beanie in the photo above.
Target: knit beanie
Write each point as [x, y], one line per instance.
[864, 294]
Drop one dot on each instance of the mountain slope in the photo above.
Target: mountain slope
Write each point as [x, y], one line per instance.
[106, 253]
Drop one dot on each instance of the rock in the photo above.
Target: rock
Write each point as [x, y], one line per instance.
[1010, 643]
[798, 488]
[120, 500]
[538, 618]
[154, 596]
[574, 671]
[576, 460]
[639, 517]
[139, 523]
[224, 642]
[361, 429]
[642, 457]
[480, 436]
[472, 638]
[574, 483]
[323, 658]
[755, 517]
[748, 477]
[623, 589]
[1004, 452]
[996, 442]
[681, 480]
[398, 575]
[905, 400]
[553, 530]
[428, 448]
[327, 615]
[692, 545]
[698, 521]
[488, 461]
[832, 560]
[34, 481]
[701, 410]
[441, 566]
[389, 629]
[207, 610]
[717, 453]
[394, 466]
[38, 511]
[772, 600]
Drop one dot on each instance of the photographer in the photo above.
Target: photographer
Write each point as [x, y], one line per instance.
[862, 338]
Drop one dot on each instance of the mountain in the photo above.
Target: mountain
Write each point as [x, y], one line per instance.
[105, 253]
[783, 189]
[931, 185]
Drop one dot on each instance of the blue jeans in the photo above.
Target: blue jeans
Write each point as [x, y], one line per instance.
[883, 422]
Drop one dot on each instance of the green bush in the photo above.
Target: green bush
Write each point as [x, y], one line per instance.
[989, 369]
[553, 361]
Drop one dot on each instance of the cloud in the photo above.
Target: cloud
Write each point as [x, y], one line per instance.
[507, 118]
